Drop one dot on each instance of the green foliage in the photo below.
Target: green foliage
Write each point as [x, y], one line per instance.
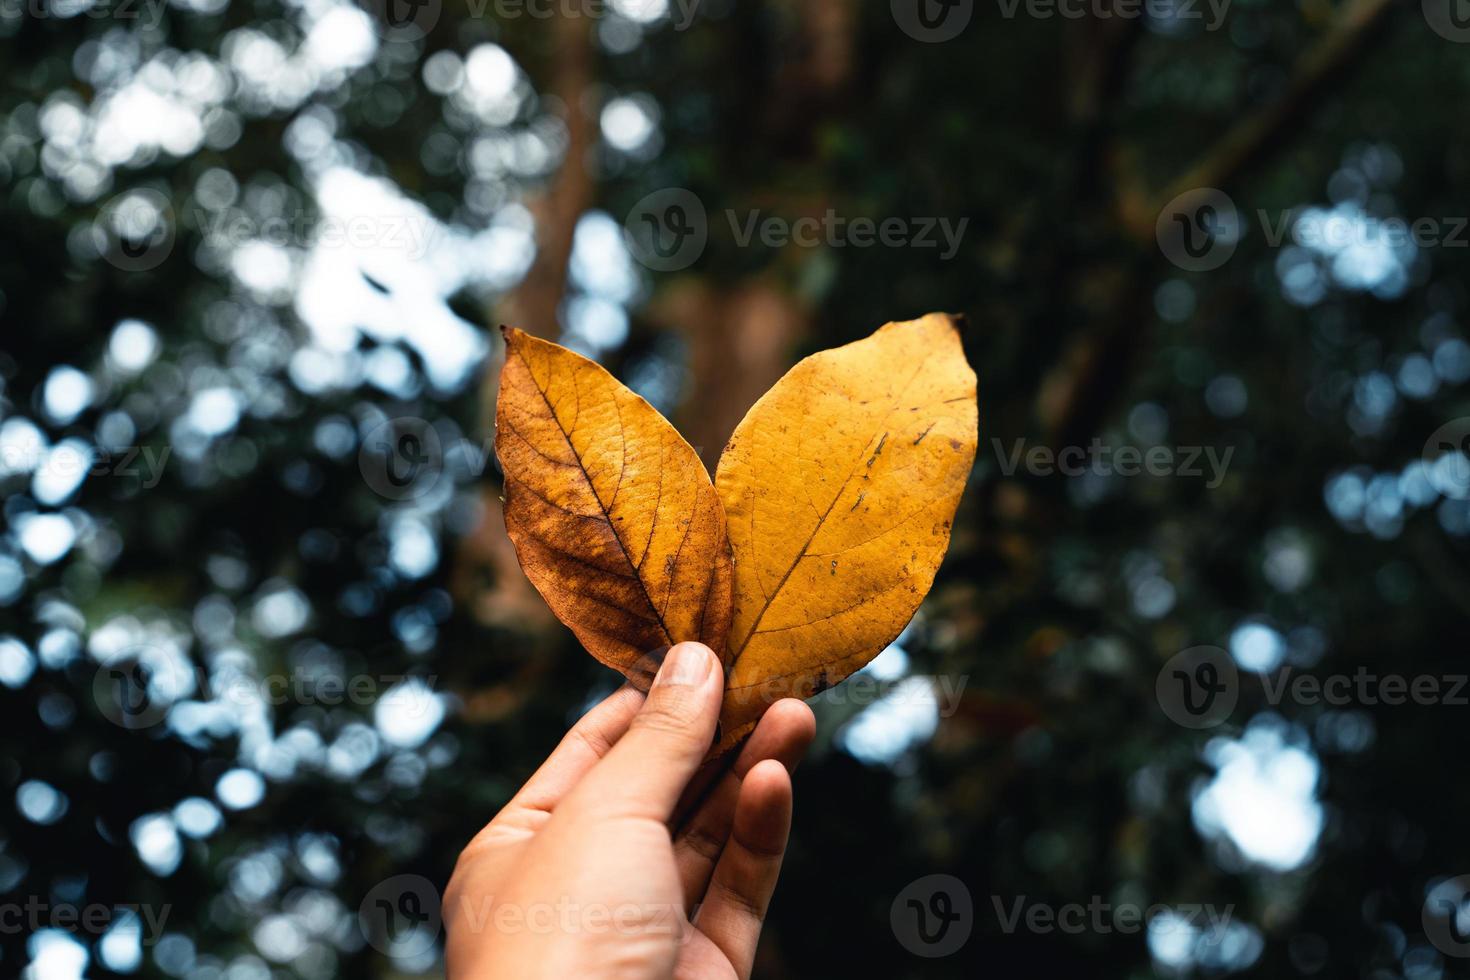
[254, 548]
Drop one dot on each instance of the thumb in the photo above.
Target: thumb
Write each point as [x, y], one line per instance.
[646, 771]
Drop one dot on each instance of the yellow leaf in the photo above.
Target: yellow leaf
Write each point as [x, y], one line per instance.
[839, 488]
[612, 514]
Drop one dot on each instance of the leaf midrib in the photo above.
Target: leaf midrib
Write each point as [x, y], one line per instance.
[606, 514]
[821, 521]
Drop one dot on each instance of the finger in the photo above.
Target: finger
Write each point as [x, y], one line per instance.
[646, 770]
[740, 891]
[583, 746]
[783, 735]
[496, 846]
[701, 784]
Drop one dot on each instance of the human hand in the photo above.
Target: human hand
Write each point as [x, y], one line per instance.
[580, 876]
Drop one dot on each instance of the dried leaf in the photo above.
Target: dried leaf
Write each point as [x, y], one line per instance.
[839, 488]
[612, 514]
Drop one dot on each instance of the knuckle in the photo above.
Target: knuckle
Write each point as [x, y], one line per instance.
[662, 720]
[670, 718]
[703, 842]
[751, 906]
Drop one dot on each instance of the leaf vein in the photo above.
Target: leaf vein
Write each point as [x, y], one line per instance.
[897, 398]
[643, 586]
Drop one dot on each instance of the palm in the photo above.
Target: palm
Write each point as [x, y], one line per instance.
[562, 835]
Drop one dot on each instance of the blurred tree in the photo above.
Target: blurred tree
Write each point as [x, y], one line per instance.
[252, 251]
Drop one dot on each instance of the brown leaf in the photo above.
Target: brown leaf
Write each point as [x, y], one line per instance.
[839, 488]
[612, 514]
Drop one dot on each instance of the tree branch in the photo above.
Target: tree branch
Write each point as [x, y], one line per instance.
[532, 305]
[1253, 139]
[1087, 379]
[487, 579]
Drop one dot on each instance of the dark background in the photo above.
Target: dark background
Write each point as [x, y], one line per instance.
[238, 237]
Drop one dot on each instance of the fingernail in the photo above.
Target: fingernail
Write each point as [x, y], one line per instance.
[687, 664]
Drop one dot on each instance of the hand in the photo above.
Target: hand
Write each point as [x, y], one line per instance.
[579, 875]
